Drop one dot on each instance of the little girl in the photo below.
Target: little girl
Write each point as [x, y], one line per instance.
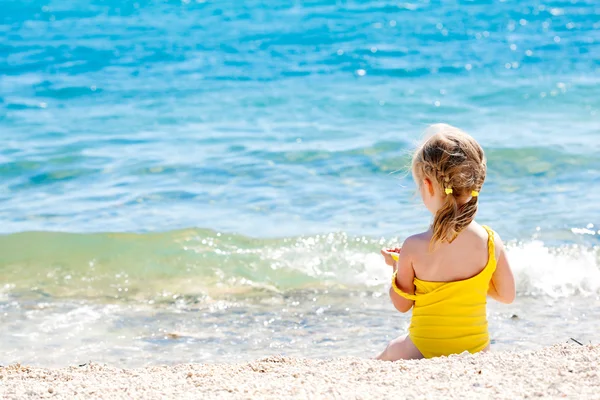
[446, 273]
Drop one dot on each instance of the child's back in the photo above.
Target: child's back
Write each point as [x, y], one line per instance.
[464, 258]
[449, 312]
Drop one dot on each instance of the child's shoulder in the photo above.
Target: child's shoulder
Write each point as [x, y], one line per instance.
[417, 243]
[498, 243]
[483, 231]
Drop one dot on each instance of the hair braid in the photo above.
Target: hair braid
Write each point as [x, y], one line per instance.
[455, 162]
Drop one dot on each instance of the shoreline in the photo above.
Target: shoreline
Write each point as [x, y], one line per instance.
[566, 370]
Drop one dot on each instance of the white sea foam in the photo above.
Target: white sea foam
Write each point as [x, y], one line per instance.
[556, 272]
[539, 270]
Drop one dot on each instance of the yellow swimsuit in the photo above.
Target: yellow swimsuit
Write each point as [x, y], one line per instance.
[450, 317]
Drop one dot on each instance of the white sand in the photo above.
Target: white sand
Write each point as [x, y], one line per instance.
[570, 371]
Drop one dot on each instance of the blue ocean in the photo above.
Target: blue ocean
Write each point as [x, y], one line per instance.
[203, 181]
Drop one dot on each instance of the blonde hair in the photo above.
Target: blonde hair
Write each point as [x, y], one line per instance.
[455, 162]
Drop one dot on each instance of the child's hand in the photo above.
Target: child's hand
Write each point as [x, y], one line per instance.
[389, 256]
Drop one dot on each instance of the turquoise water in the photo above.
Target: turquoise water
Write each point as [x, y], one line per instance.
[175, 175]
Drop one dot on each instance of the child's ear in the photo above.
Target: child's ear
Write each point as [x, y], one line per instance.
[428, 186]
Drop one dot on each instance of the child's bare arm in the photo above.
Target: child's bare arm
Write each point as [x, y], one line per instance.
[493, 293]
[405, 276]
[502, 286]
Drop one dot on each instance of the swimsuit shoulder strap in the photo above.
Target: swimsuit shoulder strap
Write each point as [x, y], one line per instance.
[491, 245]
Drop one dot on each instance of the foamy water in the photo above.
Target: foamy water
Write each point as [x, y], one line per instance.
[199, 295]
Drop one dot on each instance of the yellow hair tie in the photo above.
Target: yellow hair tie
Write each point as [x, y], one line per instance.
[448, 190]
[474, 193]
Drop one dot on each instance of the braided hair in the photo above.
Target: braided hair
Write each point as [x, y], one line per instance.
[455, 162]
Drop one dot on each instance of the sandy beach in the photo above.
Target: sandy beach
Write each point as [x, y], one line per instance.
[562, 371]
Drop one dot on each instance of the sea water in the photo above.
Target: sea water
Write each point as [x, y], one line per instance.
[203, 181]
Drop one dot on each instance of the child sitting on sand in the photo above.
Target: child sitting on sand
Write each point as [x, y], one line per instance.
[446, 273]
